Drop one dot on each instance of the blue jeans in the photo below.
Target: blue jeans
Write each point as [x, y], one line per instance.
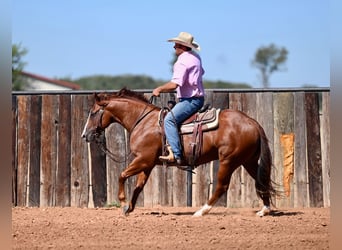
[180, 112]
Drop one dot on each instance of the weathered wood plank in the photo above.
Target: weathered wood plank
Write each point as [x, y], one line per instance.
[235, 101]
[153, 192]
[63, 170]
[301, 188]
[219, 100]
[48, 150]
[179, 180]
[23, 153]
[314, 149]
[99, 176]
[14, 149]
[283, 124]
[325, 145]
[98, 171]
[79, 152]
[34, 147]
[264, 104]
[202, 183]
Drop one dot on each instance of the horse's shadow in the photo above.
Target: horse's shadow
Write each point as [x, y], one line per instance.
[274, 213]
[277, 213]
[183, 213]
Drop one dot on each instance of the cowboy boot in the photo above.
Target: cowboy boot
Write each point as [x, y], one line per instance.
[168, 158]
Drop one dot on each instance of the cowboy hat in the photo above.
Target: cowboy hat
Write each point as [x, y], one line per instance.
[185, 39]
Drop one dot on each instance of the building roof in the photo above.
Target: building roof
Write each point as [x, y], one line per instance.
[60, 83]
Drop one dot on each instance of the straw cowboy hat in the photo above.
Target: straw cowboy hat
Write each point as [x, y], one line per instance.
[185, 39]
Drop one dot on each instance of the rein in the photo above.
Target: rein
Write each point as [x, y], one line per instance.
[105, 150]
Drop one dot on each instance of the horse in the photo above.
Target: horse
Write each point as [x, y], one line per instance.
[239, 140]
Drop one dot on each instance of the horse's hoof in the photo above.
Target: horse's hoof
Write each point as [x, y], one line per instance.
[197, 214]
[264, 211]
[125, 210]
[204, 210]
[260, 214]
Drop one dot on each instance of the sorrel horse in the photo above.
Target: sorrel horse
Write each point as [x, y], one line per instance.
[238, 140]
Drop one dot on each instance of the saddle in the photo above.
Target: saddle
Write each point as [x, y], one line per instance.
[208, 120]
[202, 121]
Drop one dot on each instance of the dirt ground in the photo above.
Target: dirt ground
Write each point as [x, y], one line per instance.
[169, 228]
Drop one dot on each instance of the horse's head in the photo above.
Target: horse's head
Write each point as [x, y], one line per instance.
[98, 119]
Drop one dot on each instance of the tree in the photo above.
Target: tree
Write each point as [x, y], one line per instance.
[17, 65]
[268, 60]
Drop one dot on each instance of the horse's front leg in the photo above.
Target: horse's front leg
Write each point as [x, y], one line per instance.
[141, 181]
[121, 194]
[136, 167]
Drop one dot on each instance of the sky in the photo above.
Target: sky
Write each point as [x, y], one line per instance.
[74, 38]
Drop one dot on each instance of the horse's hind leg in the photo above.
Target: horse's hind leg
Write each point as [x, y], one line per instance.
[262, 189]
[223, 179]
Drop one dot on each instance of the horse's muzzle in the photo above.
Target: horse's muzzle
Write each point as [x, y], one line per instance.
[88, 137]
[98, 136]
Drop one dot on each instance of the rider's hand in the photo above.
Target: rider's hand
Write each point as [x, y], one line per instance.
[156, 92]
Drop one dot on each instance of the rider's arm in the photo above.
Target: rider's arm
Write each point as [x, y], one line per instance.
[167, 87]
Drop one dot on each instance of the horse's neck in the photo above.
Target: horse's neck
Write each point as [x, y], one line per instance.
[128, 112]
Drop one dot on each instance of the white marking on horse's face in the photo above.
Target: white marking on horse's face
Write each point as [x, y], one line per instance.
[85, 127]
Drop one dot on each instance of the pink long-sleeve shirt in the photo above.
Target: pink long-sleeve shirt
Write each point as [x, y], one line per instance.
[187, 74]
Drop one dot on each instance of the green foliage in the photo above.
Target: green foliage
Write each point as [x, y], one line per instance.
[17, 66]
[101, 82]
[269, 59]
[224, 85]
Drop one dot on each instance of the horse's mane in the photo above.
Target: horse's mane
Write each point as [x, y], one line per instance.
[124, 92]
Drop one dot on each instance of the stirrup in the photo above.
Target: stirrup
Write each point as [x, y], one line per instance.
[180, 166]
[186, 168]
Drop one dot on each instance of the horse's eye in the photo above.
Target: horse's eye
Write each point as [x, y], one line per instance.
[92, 113]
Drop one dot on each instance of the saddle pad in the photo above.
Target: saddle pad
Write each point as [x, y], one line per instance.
[207, 124]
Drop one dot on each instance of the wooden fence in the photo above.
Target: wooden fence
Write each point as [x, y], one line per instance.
[53, 166]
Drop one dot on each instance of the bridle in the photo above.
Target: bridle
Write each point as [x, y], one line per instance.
[99, 128]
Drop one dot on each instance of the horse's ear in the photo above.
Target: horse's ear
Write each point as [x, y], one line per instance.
[96, 97]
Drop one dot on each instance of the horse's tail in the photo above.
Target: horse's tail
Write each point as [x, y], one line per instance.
[263, 184]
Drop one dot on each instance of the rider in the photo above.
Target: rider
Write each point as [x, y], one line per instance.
[187, 81]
